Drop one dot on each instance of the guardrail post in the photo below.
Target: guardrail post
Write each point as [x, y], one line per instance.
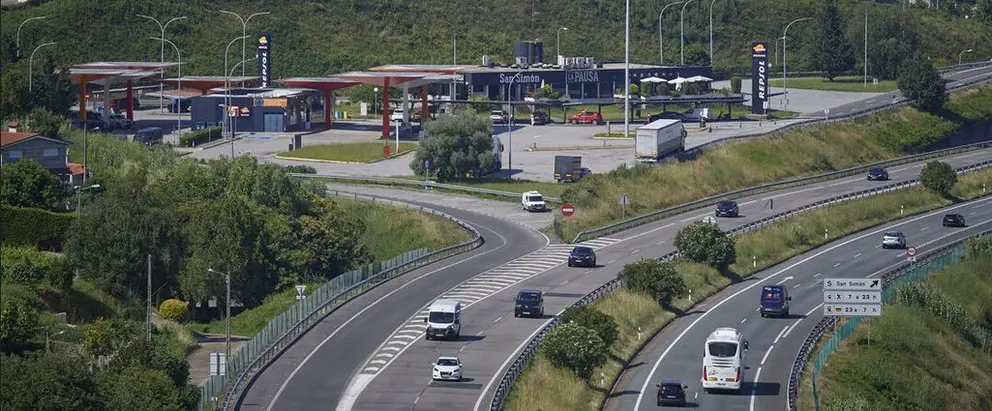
[825, 231]
[754, 262]
[902, 210]
[638, 333]
[983, 188]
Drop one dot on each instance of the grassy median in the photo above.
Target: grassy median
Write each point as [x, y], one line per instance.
[348, 152]
[843, 83]
[916, 357]
[804, 152]
[548, 388]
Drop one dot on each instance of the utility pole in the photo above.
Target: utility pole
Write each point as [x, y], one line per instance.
[866, 48]
[626, 76]
[148, 308]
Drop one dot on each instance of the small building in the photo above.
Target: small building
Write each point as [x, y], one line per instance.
[49, 152]
[257, 110]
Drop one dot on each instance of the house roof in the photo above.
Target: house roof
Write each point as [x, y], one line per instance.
[75, 168]
[9, 138]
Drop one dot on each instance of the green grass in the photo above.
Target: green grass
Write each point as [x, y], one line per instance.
[249, 322]
[547, 388]
[845, 83]
[808, 151]
[915, 357]
[348, 152]
[614, 112]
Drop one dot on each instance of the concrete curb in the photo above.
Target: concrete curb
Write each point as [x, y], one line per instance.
[317, 160]
[611, 138]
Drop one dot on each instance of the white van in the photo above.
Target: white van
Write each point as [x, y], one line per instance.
[532, 201]
[444, 319]
[723, 360]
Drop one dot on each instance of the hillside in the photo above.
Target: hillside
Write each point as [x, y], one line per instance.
[318, 38]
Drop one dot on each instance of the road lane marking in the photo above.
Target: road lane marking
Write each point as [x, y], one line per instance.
[856, 256]
[772, 347]
[779, 335]
[754, 391]
[797, 285]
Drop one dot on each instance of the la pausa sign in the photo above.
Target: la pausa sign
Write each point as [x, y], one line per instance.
[584, 76]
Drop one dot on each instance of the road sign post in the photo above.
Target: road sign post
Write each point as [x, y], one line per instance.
[853, 297]
[427, 175]
[911, 254]
[623, 206]
[567, 210]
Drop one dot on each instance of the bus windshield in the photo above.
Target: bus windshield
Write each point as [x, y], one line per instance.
[723, 349]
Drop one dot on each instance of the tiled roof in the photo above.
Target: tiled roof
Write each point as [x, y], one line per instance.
[8, 138]
[76, 169]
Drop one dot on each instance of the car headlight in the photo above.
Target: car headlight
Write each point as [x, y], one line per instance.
[436, 370]
[451, 327]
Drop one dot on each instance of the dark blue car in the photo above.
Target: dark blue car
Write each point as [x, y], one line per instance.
[775, 301]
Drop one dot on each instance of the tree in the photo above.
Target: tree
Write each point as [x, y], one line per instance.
[575, 348]
[43, 121]
[704, 242]
[939, 177]
[735, 84]
[136, 388]
[696, 54]
[47, 383]
[18, 323]
[106, 337]
[328, 245]
[53, 90]
[832, 53]
[456, 146]
[365, 93]
[892, 40]
[921, 82]
[24, 265]
[163, 356]
[604, 325]
[984, 9]
[26, 183]
[659, 279]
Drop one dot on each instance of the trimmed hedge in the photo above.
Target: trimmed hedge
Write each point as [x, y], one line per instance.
[201, 136]
[173, 309]
[34, 227]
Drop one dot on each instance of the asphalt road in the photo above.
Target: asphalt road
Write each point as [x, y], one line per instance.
[491, 335]
[675, 352]
[313, 372]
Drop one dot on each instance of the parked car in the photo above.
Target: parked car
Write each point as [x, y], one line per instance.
[671, 392]
[582, 256]
[116, 120]
[447, 368]
[397, 115]
[878, 173]
[539, 118]
[954, 220]
[529, 303]
[498, 116]
[893, 239]
[727, 208]
[665, 115]
[583, 117]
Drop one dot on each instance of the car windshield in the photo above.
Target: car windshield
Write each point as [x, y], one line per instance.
[447, 362]
[877, 170]
[893, 234]
[439, 317]
[528, 297]
[726, 204]
[582, 251]
[534, 198]
[723, 349]
[497, 113]
[671, 388]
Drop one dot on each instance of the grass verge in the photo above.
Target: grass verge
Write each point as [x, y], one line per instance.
[348, 152]
[545, 387]
[917, 358]
[844, 83]
[804, 152]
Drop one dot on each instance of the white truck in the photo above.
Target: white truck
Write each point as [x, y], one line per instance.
[532, 201]
[658, 139]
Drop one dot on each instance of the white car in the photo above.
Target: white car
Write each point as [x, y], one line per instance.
[497, 116]
[893, 239]
[533, 201]
[447, 368]
[396, 116]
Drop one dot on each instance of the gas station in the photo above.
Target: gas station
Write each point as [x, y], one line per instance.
[110, 73]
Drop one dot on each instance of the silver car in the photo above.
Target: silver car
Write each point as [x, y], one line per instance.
[893, 239]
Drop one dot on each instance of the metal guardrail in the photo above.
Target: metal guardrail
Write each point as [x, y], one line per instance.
[747, 74]
[708, 201]
[924, 265]
[281, 332]
[519, 364]
[429, 183]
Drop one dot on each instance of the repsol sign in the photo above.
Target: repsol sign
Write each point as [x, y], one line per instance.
[759, 76]
[584, 76]
[522, 78]
[265, 59]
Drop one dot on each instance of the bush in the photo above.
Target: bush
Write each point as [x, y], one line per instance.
[939, 177]
[173, 309]
[658, 279]
[457, 146]
[18, 323]
[575, 348]
[979, 247]
[300, 169]
[604, 325]
[24, 265]
[26, 183]
[34, 227]
[704, 242]
[205, 135]
[735, 84]
[105, 337]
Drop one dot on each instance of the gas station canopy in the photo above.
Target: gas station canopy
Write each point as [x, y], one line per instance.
[207, 83]
[420, 68]
[109, 73]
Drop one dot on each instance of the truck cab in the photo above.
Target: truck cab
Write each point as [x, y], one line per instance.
[775, 301]
[532, 201]
[444, 319]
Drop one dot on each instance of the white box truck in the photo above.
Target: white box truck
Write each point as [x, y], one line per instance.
[658, 139]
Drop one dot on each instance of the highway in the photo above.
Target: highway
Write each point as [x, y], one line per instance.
[397, 377]
[675, 352]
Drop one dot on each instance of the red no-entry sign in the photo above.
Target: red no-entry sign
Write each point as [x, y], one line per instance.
[567, 210]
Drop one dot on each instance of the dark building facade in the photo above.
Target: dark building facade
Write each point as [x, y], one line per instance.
[257, 110]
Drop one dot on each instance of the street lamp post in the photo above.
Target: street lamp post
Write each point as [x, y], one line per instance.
[162, 27]
[227, 319]
[661, 42]
[626, 73]
[558, 44]
[509, 123]
[776, 49]
[244, 31]
[682, 30]
[961, 54]
[79, 197]
[31, 60]
[227, 92]
[785, 87]
[711, 32]
[375, 100]
[17, 36]
[179, 87]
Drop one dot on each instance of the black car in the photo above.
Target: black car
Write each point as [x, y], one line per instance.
[878, 173]
[529, 303]
[539, 118]
[582, 257]
[954, 220]
[671, 392]
[727, 208]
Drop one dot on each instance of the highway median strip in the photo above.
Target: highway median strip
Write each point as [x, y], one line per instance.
[639, 317]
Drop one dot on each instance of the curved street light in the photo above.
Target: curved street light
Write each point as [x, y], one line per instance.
[661, 43]
[18, 34]
[227, 90]
[244, 31]
[785, 87]
[227, 317]
[961, 54]
[558, 44]
[162, 27]
[31, 60]
[682, 30]
[179, 87]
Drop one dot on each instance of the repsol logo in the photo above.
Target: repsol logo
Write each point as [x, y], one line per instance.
[523, 78]
[265, 68]
[762, 81]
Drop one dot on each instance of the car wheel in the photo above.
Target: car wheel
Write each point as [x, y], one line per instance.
[594, 263]
[762, 315]
[427, 337]
[574, 121]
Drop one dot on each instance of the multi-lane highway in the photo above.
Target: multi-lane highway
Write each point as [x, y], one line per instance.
[491, 335]
[675, 352]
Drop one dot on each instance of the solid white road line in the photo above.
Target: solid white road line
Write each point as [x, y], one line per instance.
[754, 392]
[780, 334]
[765, 358]
[654, 368]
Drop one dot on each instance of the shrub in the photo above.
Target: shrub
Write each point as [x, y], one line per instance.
[173, 309]
[658, 279]
[735, 84]
[26, 183]
[201, 136]
[704, 242]
[979, 247]
[23, 265]
[300, 169]
[939, 177]
[18, 323]
[33, 227]
[575, 348]
[604, 325]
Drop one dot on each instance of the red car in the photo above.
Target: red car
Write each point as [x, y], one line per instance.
[586, 117]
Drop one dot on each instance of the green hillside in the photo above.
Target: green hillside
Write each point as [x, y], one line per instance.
[318, 38]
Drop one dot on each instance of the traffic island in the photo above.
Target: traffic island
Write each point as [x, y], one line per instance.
[348, 153]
